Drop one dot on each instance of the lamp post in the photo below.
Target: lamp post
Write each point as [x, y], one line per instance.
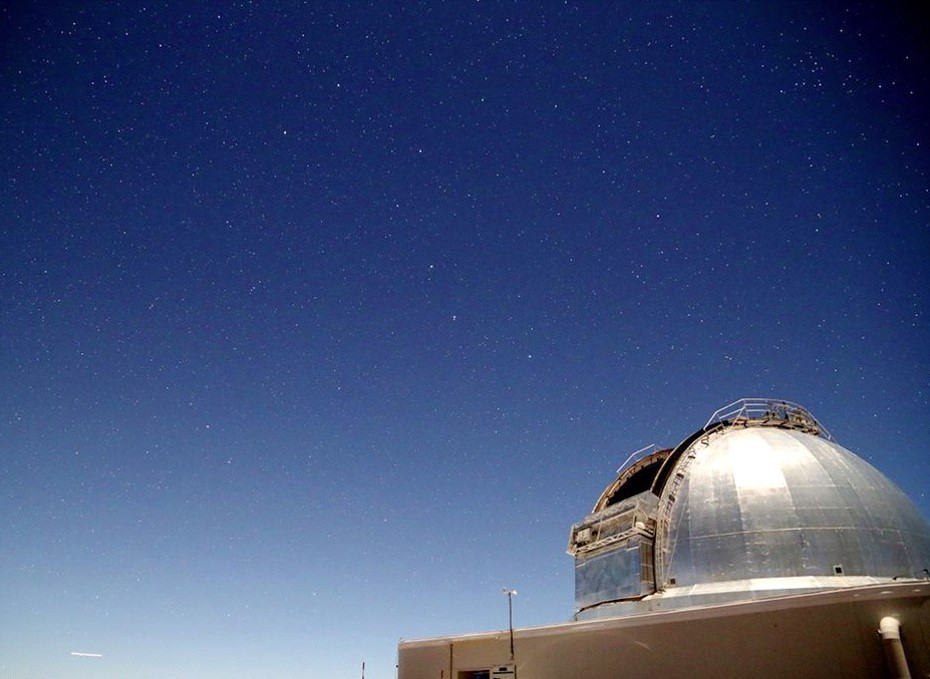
[511, 593]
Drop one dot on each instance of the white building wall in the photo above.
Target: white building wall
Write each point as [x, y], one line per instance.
[830, 634]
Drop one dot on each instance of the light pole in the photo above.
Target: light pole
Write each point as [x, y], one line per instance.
[511, 593]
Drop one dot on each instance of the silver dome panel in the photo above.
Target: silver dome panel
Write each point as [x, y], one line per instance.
[764, 502]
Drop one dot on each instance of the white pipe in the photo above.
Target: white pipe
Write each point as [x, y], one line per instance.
[890, 630]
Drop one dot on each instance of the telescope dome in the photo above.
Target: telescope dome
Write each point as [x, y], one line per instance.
[760, 502]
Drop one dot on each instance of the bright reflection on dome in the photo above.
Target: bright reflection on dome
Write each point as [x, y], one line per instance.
[755, 465]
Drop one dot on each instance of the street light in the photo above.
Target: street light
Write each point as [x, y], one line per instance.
[511, 593]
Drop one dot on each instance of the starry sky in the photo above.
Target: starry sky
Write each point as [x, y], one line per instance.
[321, 323]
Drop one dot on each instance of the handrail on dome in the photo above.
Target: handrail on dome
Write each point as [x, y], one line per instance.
[638, 455]
[772, 412]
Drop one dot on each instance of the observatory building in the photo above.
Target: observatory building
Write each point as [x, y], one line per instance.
[758, 546]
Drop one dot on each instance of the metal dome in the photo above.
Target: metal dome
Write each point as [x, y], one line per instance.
[760, 502]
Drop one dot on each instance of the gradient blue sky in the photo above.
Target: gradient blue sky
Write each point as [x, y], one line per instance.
[321, 323]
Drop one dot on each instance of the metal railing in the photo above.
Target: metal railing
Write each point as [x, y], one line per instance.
[638, 455]
[767, 411]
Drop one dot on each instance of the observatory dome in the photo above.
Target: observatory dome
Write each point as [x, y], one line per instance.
[760, 502]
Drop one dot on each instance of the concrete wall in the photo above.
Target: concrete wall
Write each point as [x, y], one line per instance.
[831, 634]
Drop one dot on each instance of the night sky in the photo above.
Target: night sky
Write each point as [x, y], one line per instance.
[321, 324]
